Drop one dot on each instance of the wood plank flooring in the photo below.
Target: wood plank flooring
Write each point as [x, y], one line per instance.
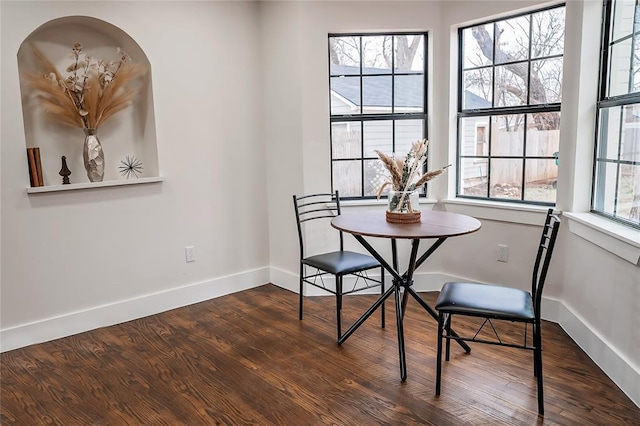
[245, 359]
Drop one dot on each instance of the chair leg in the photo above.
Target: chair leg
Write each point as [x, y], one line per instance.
[447, 322]
[535, 344]
[300, 294]
[538, 368]
[439, 353]
[381, 293]
[338, 304]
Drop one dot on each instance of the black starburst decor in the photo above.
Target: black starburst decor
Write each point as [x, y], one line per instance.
[131, 166]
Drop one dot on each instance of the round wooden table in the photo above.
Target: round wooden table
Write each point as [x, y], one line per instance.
[433, 225]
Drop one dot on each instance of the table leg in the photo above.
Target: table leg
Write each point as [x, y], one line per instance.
[407, 277]
[399, 315]
[367, 314]
[429, 251]
[434, 314]
[401, 286]
[405, 296]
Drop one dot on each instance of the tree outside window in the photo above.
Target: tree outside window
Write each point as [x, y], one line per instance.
[378, 102]
[510, 76]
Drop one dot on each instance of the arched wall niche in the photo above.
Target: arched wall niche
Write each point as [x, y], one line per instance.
[130, 132]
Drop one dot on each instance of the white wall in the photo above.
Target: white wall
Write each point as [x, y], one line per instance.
[79, 259]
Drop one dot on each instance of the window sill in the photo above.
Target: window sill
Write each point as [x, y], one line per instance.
[493, 210]
[90, 185]
[381, 202]
[618, 239]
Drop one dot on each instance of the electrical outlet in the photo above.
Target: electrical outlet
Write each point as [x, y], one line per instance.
[502, 254]
[190, 254]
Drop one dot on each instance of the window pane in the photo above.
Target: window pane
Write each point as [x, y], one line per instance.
[344, 55]
[623, 14]
[478, 91]
[609, 133]
[375, 175]
[605, 187]
[512, 42]
[547, 36]
[506, 178]
[345, 95]
[347, 178]
[511, 84]
[408, 132]
[629, 193]
[409, 93]
[478, 46]
[620, 64]
[345, 140]
[543, 134]
[507, 136]
[378, 135]
[630, 140]
[409, 53]
[473, 177]
[474, 134]
[546, 81]
[376, 54]
[635, 80]
[376, 95]
[540, 180]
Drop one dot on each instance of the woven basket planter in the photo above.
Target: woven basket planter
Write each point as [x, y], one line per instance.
[393, 217]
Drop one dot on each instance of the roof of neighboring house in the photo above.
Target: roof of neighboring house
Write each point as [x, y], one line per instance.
[376, 90]
[473, 101]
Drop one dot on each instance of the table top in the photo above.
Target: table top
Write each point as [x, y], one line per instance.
[433, 224]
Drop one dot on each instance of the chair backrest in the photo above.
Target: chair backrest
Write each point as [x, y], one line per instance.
[543, 258]
[313, 207]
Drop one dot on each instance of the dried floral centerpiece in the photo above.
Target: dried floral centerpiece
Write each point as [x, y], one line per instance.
[406, 177]
[91, 93]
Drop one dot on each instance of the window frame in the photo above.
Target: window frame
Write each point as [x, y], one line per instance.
[493, 111]
[361, 118]
[607, 102]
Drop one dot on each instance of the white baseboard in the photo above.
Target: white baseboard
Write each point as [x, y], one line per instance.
[615, 365]
[127, 310]
[619, 369]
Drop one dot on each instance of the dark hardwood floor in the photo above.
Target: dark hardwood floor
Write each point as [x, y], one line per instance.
[246, 359]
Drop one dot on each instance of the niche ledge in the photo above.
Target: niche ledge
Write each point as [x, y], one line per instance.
[91, 185]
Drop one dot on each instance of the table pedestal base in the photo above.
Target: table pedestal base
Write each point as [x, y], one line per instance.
[400, 282]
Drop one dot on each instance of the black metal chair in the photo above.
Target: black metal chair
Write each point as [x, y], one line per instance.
[500, 303]
[337, 263]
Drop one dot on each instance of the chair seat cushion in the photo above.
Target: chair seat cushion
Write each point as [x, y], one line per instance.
[341, 262]
[486, 301]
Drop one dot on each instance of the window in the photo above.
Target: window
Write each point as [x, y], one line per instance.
[378, 102]
[616, 187]
[509, 96]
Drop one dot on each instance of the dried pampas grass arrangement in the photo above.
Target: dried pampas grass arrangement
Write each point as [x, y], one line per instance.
[406, 172]
[91, 93]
